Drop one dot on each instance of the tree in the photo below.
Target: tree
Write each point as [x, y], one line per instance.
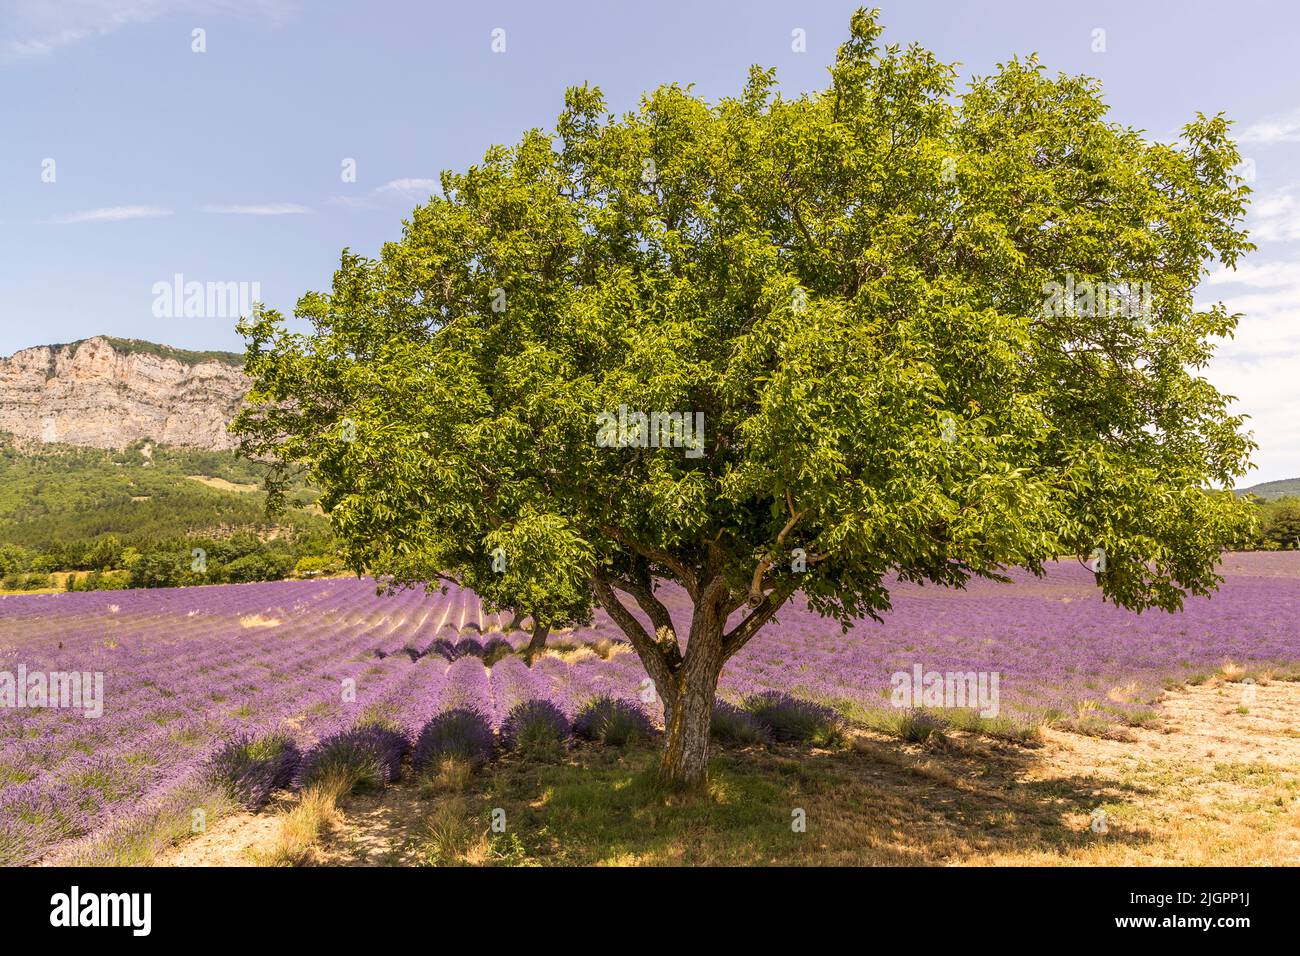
[14, 559]
[160, 569]
[104, 553]
[256, 566]
[929, 337]
[1281, 524]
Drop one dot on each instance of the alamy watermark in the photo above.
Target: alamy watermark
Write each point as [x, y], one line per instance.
[638, 429]
[133, 911]
[179, 299]
[68, 690]
[922, 688]
[1083, 297]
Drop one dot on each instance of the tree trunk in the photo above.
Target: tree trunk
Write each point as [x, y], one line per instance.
[685, 761]
[538, 642]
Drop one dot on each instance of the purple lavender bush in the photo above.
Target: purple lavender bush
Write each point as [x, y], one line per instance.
[609, 720]
[735, 725]
[468, 647]
[916, 726]
[249, 768]
[31, 817]
[462, 732]
[442, 648]
[792, 720]
[534, 725]
[370, 753]
[494, 649]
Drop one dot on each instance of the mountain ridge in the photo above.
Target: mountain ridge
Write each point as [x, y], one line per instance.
[107, 392]
[1281, 488]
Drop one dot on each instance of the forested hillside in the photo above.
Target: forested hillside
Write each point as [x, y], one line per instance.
[147, 516]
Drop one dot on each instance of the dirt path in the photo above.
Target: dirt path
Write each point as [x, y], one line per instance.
[227, 842]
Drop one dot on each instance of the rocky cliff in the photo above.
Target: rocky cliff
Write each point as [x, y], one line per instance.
[107, 393]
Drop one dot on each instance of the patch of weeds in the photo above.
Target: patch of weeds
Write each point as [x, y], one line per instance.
[920, 726]
[1256, 773]
[451, 836]
[1094, 725]
[450, 775]
[1024, 730]
[1142, 718]
[316, 811]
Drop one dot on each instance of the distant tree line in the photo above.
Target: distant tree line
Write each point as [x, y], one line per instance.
[105, 563]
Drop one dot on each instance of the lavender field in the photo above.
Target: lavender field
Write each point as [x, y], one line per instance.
[184, 669]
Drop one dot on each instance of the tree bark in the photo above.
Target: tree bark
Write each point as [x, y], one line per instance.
[685, 761]
[538, 641]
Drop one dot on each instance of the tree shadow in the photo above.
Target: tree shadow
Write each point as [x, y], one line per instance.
[885, 802]
[877, 802]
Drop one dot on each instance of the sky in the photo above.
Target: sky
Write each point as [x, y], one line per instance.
[250, 141]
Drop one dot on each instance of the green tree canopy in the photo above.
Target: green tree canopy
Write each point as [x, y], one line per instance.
[930, 335]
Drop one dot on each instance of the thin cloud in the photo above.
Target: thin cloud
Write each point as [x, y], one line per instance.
[408, 188]
[426, 186]
[33, 28]
[1257, 275]
[1281, 129]
[1276, 217]
[263, 209]
[353, 202]
[112, 214]
[1266, 293]
[1258, 364]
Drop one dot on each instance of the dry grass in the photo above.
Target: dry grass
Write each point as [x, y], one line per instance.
[300, 827]
[575, 651]
[258, 620]
[223, 484]
[453, 775]
[1125, 693]
[450, 836]
[1231, 671]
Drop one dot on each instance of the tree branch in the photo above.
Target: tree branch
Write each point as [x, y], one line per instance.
[652, 654]
[741, 634]
[665, 630]
[756, 584]
[684, 575]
